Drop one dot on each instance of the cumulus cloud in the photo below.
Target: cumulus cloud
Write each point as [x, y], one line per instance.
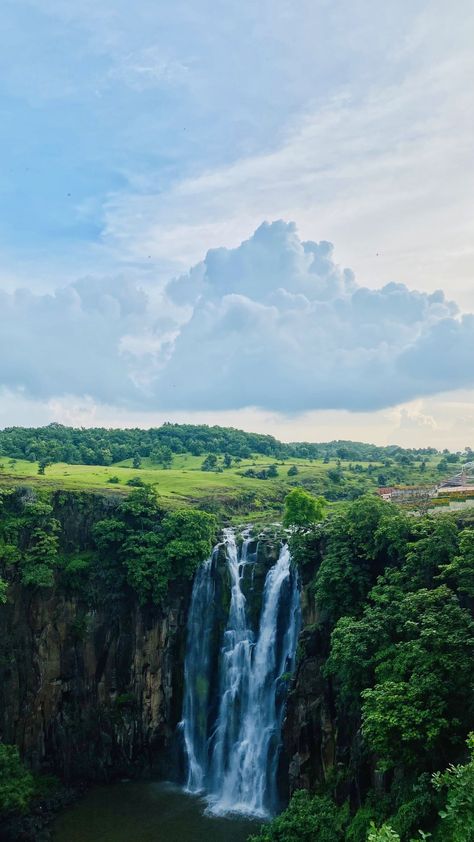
[70, 342]
[274, 323]
[277, 323]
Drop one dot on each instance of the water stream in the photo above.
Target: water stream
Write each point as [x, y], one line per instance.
[232, 733]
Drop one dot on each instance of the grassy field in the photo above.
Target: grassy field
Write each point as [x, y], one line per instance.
[184, 483]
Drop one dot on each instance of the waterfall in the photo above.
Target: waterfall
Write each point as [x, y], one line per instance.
[197, 675]
[233, 747]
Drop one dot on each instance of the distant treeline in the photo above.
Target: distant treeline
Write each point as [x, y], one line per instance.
[101, 446]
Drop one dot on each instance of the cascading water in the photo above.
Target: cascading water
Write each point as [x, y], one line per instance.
[233, 747]
[197, 675]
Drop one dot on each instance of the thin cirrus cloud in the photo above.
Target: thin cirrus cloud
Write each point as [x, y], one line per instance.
[275, 323]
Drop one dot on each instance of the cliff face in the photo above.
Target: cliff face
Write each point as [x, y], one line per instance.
[310, 738]
[90, 684]
[92, 693]
[88, 693]
[316, 741]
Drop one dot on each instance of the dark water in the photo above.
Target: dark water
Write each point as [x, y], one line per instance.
[146, 812]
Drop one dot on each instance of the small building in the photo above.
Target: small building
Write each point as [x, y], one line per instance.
[385, 493]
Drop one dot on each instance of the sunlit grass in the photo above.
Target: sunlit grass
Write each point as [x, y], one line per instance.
[185, 483]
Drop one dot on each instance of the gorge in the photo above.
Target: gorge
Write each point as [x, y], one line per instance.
[247, 678]
[97, 685]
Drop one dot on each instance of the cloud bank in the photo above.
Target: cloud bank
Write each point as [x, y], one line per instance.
[274, 323]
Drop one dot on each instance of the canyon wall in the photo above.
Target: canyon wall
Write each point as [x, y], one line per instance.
[89, 692]
[90, 689]
[94, 691]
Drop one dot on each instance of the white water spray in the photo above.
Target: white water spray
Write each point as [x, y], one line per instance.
[234, 758]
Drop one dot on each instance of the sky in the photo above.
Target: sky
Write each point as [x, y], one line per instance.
[256, 214]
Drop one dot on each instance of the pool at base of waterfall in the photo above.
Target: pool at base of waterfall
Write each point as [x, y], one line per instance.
[146, 811]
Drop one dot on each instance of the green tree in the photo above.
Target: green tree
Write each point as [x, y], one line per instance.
[459, 572]
[170, 549]
[210, 463]
[16, 783]
[3, 591]
[435, 544]
[187, 536]
[382, 834]
[457, 783]
[302, 509]
[387, 834]
[307, 818]
[423, 698]
[336, 475]
[162, 455]
[355, 555]
[40, 555]
[292, 471]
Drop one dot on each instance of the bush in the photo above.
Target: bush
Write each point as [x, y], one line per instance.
[457, 818]
[17, 785]
[302, 509]
[170, 548]
[307, 819]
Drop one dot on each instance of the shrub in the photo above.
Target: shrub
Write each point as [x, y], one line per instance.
[457, 818]
[136, 482]
[17, 785]
[302, 509]
[307, 819]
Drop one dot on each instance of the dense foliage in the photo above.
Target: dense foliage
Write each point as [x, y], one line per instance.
[100, 446]
[396, 634]
[17, 785]
[137, 544]
[307, 819]
[302, 509]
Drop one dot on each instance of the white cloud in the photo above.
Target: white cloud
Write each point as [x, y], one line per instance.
[275, 323]
[69, 342]
[386, 172]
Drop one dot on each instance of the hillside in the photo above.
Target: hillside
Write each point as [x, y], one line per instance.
[224, 470]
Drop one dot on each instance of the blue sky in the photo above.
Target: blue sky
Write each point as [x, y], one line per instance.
[134, 140]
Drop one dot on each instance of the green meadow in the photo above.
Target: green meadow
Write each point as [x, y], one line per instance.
[227, 490]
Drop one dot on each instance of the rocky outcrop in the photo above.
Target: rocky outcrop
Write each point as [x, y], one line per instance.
[310, 731]
[89, 693]
[311, 737]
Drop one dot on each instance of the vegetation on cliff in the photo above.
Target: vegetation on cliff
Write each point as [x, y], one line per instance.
[17, 785]
[133, 543]
[394, 597]
[80, 575]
